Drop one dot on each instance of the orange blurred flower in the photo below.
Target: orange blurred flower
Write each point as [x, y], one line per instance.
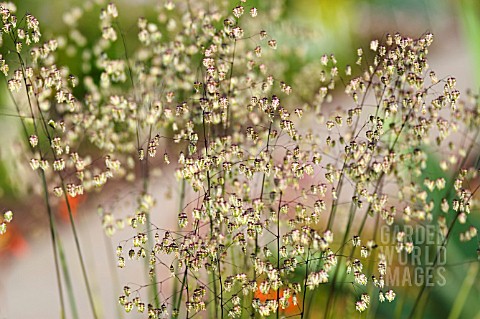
[13, 242]
[292, 309]
[74, 203]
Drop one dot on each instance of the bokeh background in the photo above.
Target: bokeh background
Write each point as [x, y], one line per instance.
[304, 30]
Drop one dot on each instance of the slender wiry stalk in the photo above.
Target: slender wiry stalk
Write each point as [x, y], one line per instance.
[305, 284]
[54, 244]
[79, 252]
[207, 196]
[230, 87]
[67, 278]
[331, 296]
[370, 266]
[113, 273]
[220, 282]
[180, 292]
[278, 250]
[146, 177]
[177, 296]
